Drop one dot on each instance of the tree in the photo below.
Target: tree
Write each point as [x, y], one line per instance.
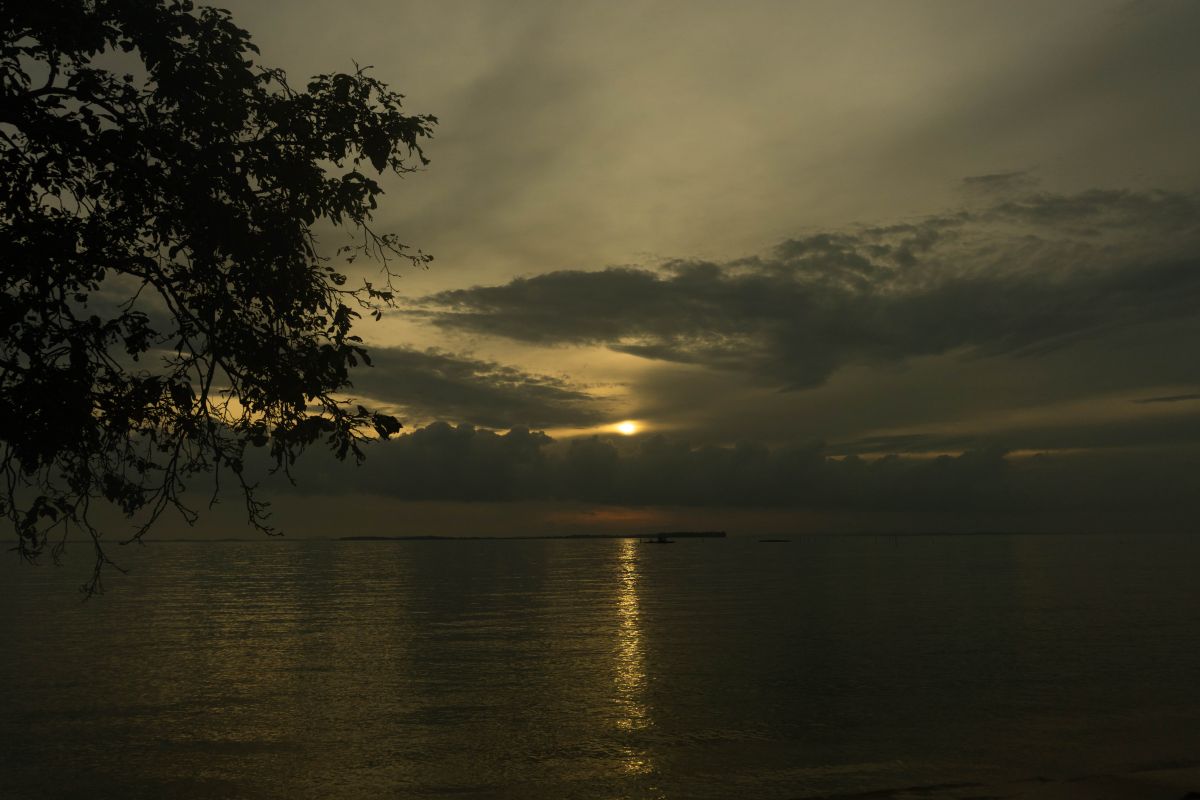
[166, 305]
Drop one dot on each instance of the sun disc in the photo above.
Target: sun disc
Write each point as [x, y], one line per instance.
[627, 428]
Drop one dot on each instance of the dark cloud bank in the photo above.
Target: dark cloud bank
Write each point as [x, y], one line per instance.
[462, 463]
[1020, 277]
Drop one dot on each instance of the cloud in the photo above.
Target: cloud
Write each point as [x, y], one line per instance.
[1022, 277]
[1052, 430]
[1000, 183]
[428, 384]
[443, 462]
[1174, 398]
[460, 463]
[1158, 212]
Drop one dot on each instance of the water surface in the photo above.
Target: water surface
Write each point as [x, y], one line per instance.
[599, 669]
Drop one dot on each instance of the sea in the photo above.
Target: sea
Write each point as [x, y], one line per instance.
[823, 666]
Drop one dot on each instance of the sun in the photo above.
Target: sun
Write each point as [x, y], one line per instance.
[627, 428]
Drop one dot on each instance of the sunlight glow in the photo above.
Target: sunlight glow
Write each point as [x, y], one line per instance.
[627, 428]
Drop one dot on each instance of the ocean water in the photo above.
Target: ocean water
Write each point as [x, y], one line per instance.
[599, 669]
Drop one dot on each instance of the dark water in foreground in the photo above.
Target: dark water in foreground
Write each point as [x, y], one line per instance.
[599, 669]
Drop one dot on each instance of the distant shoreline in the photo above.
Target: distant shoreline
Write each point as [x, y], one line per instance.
[672, 534]
[796, 537]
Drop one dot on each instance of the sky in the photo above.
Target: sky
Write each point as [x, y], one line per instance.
[847, 266]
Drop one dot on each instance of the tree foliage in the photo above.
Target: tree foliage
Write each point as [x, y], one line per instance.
[165, 303]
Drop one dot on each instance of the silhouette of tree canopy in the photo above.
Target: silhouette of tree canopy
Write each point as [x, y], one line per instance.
[166, 305]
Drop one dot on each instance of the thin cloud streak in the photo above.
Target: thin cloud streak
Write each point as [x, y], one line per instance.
[1174, 398]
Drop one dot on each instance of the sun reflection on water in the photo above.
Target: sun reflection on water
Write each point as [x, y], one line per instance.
[629, 660]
